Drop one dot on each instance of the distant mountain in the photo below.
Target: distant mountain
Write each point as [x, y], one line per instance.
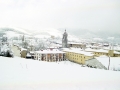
[17, 30]
[87, 34]
[42, 33]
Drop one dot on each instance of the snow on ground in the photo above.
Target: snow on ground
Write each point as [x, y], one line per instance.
[114, 62]
[25, 74]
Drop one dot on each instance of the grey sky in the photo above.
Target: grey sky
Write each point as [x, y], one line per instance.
[85, 14]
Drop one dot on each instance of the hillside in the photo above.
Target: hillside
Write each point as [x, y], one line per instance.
[42, 33]
[24, 74]
[73, 34]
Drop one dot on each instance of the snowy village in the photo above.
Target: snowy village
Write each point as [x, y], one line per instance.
[54, 49]
[29, 59]
[59, 44]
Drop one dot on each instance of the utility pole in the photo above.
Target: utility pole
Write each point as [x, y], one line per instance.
[109, 63]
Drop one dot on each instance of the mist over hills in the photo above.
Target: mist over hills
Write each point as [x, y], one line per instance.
[72, 33]
[41, 33]
[87, 34]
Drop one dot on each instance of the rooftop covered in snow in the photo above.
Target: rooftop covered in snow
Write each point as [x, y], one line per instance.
[100, 50]
[80, 51]
[49, 51]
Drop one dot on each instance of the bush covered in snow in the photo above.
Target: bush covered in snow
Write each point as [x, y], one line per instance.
[6, 51]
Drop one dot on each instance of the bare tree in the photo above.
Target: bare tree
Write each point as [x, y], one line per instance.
[4, 38]
[41, 45]
[25, 44]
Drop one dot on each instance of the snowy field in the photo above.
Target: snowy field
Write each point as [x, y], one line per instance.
[114, 62]
[25, 74]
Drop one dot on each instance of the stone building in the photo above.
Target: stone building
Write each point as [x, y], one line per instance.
[65, 40]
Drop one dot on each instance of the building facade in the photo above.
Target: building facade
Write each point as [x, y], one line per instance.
[16, 50]
[50, 56]
[78, 56]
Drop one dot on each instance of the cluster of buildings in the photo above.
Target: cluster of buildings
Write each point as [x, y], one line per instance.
[81, 54]
[75, 52]
[88, 56]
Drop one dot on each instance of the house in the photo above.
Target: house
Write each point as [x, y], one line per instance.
[23, 52]
[16, 50]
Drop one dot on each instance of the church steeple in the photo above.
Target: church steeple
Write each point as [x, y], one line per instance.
[64, 39]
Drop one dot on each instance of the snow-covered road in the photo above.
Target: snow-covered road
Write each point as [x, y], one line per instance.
[24, 74]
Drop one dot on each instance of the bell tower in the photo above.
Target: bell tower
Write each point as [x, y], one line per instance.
[64, 40]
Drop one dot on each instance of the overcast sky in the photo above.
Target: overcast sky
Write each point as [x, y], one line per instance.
[84, 14]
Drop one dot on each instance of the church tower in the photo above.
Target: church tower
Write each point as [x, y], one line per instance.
[64, 40]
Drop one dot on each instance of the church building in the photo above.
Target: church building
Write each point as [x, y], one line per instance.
[65, 40]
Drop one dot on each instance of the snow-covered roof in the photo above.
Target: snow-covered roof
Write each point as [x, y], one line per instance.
[75, 43]
[22, 49]
[48, 52]
[101, 50]
[98, 50]
[115, 52]
[85, 53]
[31, 51]
[114, 48]
[79, 51]
[72, 48]
[64, 49]
[94, 46]
[105, 44]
